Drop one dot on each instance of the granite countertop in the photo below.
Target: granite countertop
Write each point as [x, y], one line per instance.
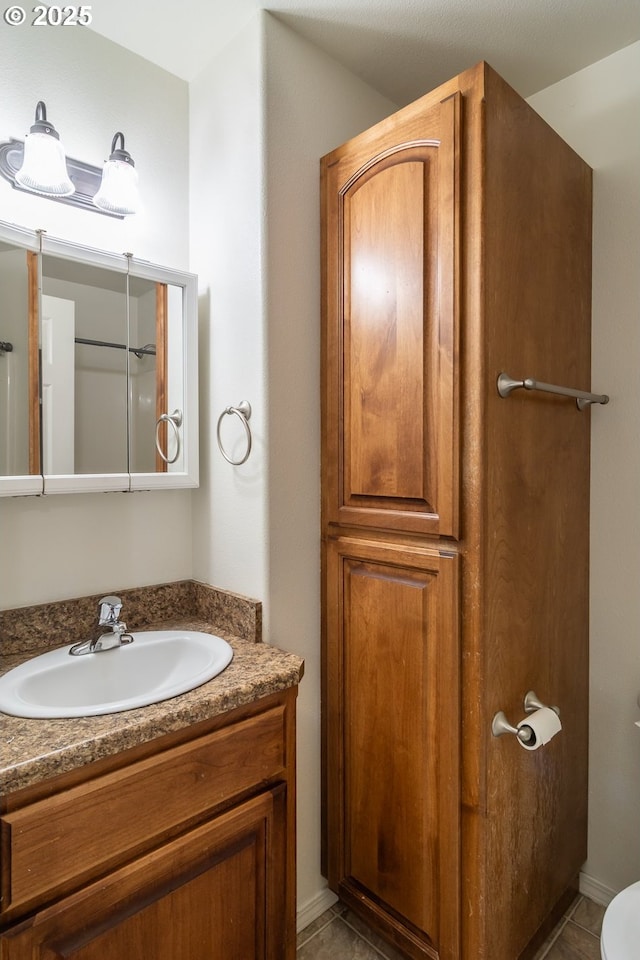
[35, 750]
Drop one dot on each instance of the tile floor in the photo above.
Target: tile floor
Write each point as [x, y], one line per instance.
[339, 935]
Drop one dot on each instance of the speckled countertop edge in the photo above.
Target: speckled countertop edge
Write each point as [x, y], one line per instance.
[36, 750]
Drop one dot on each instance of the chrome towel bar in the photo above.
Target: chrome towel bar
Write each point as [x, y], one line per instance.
[507, 385]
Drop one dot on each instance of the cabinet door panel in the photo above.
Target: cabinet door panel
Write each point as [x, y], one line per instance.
[390, 299]
[393, 730]
[183, 784]
[216, 893]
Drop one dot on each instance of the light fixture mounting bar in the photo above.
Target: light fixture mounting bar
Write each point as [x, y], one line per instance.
[85, 177]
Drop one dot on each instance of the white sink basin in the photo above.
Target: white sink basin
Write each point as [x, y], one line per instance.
[159, 664]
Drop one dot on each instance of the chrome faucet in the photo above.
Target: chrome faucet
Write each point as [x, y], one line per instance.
[110, 631]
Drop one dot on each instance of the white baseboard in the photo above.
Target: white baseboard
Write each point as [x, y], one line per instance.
[595, 890]
[314, 908]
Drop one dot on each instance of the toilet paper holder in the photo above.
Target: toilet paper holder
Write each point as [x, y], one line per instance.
[500, 725]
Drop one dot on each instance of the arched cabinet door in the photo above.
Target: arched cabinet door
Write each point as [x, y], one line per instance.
[390, 218]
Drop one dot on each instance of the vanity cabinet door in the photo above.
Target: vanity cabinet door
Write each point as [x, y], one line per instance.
[218, 892]
[192, 781]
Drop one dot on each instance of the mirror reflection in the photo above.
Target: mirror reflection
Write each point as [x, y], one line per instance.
[98, 370]
[18, 378]
[155, 370]
[84, 368]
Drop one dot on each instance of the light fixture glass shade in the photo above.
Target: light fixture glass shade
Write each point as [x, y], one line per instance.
[44, 168]
[118, 192]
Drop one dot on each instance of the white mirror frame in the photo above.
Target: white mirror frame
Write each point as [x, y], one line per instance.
[188, 476]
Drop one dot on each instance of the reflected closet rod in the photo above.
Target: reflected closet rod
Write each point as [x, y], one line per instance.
[148, 350]
[507, 384]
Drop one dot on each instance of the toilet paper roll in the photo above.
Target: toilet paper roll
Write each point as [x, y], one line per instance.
[544, 724]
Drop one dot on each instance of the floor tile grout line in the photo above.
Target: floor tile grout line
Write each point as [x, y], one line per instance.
[561, 926]
[580, 926]
[571, 915]
[556, 934]
[315, 933]
[566, 919]
[331, 920]
[574, 906]
[361, 937]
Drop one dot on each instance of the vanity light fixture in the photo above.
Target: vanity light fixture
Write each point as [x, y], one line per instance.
[44, 168]
[40, 166]
[118, 191]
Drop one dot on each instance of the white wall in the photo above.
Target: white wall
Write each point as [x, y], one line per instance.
[61, 546]
[596, 111]
[227, 222]
[93, 88]
[262, 114]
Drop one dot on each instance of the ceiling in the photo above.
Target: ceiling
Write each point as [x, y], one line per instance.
[401, 47]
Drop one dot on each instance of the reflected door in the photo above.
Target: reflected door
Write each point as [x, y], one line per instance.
[94, 425]
[58, 384]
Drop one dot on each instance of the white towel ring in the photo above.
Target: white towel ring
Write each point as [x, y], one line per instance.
[243, 412]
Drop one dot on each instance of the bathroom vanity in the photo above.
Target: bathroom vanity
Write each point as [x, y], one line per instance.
[99, 370]
[169, 831]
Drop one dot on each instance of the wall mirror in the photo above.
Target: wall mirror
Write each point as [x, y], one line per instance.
[98, 378]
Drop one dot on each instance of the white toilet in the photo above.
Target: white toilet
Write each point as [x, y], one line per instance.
[620, 938]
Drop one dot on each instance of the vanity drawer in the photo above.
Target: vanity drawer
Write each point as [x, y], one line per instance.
[84, 831]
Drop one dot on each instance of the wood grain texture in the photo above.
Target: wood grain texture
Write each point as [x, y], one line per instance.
[215, 892]
[518, 469]
[172, 789]
[537, 323]
[393, 775]
[384, 335]
[391, 330]
[103, 827]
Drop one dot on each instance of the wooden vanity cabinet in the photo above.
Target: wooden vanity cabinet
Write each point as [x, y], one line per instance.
[456, 246]
[185, 853]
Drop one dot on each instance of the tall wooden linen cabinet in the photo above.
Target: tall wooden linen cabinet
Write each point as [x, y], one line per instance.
[456, 246]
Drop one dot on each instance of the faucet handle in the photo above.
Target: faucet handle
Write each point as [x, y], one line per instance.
[109, 610]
